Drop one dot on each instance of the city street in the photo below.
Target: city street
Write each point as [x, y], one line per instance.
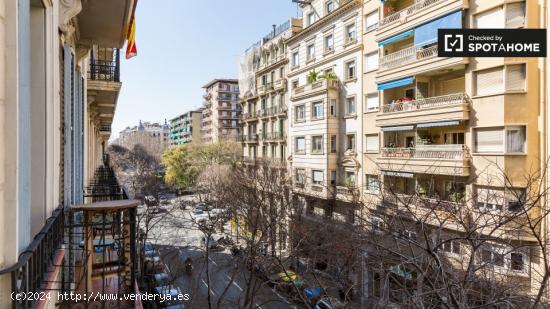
[176, 237]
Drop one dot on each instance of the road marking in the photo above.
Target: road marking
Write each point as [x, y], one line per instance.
[211, 260]
[235, 283]
[209, 289]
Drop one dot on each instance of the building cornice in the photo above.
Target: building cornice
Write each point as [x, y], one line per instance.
[321, 23]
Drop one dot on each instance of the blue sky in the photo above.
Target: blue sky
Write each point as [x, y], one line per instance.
[183, 44]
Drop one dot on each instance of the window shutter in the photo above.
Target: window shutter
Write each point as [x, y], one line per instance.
[372, 102]
[515, 77]
[491, 19]
[489, 81]
[68, 85]
[372, 20]
[372, 142]
[318, 176]
[515, 15]
[372, 61]
[490, 140]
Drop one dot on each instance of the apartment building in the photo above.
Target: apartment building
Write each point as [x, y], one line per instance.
[449, 128]
[220, 116]
[60, 84]
[264, 95]
[153, 137]
[326, 107]
[185, 128]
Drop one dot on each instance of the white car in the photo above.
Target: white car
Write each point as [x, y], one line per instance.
[199, 215]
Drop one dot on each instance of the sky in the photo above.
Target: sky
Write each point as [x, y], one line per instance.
[182, 45]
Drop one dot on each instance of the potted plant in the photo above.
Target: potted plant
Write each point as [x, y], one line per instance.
[312, 77]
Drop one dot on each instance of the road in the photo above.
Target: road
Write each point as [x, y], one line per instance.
[177, 238]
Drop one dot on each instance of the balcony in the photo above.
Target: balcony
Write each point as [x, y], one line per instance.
[105, 130]
[434, 109]
[321, 86]
[249, 116]
[252, 138]
[407, 56]
[105, 22]
[426, 159]
[274, 137]
[263, 89]
[397, 19]
[280, 84]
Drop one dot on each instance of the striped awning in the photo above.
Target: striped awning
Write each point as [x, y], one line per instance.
[397, 174]
[438, 124]
[400, 128]
[395, 83]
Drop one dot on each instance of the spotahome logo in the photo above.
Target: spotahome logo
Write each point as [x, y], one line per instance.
[491, 42]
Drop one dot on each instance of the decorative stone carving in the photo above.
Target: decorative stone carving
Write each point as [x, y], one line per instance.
[67, 10]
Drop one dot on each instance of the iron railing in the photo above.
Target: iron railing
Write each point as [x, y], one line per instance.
[28, 274]
[406, 56]
[402, 14]
[424, 103]
[105, 70]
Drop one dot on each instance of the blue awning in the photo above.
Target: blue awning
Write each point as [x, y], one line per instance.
[394, 129]
[396, 38]
[427, 33]
[438, 124]
[395, 83]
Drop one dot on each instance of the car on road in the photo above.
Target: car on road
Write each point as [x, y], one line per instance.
[175, 295]
[285, 281]
[201, 206]
[329, 303]
[164, 200]
[199, 215]
[209, 242]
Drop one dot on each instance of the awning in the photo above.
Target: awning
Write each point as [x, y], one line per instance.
[397, 37]
[397, 174]
[400, 128]
[438, 124]
[396, 83]
[427, 33]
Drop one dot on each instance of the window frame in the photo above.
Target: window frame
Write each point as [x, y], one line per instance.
[295, 59]
[314, 109]
[347, 66]
[505, 130]
[369, 69]
[333, 148]
[313, 181]
[347, 111]
[310, 56]
[367, 108]
[377, 137]
[326, 48]
[354, 148]
[368, 181]
[296, 113]
[296, 150]
[315, 151]
[369, 28]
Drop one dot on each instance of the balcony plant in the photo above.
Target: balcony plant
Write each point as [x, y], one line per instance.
[312, 77]
[329, 76]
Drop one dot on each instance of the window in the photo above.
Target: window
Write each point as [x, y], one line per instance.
[317, 110]
[299, 113]
[497, 199]
[350, 106]
[350, 142]
[351, 70]
[500, 140]
[372, 102]
[372, 143]
[371, 21]
[300, 175]
[372, 183]
[515, 77]
[511, 15]
[332, 107]
[310, 52]
[310, 18]
[329, 43]
[500, 79]
[451, 246]
[333, 178]
[333, 148]
[378, 225]
[295, 84]
[350, 178]
[351, 33]
[329, 6]
[295, 59]
[454, 138]
[515, 139]
[317, 144]
[517, 261]
[492, 256]
[371, 61]
[318, 177]
[300, 145]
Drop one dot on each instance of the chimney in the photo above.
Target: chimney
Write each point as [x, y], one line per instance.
[274, 30]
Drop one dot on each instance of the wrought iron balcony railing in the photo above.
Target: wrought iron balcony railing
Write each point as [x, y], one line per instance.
[106, 70]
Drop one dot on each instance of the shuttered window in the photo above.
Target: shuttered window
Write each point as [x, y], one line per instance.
[372, 21]
[489, 81]
[489, 140]
[372, 102]
[515, 15]
[489, 199]
[372, 143]
[493, 18]
[515, 139]
[515, 77]
[371, 61]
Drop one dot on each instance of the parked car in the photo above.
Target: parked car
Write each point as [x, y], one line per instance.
[174, 292]
[329, 303]
[201, 206]
[286, 280]
[158, 279]
[164, 200]
[210, 242]
[199, 215]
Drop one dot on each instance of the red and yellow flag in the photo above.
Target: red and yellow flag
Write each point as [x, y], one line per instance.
[131, 49]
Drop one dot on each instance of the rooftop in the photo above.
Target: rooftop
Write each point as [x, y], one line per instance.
[218, 80]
